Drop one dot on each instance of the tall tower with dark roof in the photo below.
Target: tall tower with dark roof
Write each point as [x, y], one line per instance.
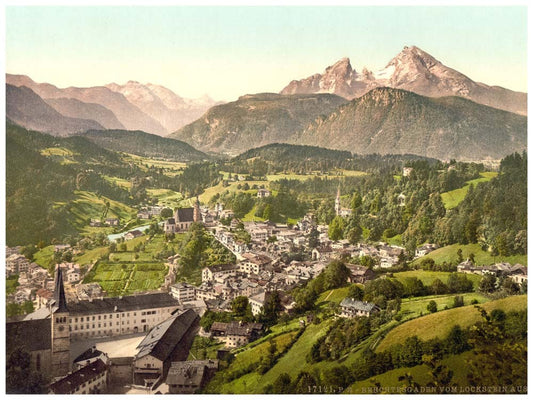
[60, 329]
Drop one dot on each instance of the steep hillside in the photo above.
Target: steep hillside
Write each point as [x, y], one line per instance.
[145, 144]
[255, 120]
[389, 120]
[41, 182]
[26, 108]
[78, 109]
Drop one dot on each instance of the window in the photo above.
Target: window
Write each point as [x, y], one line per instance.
[81, 319]
[38, 362]
[134, 314]
[105, 316]
[93, 317]
[99, 317]
[76, 319]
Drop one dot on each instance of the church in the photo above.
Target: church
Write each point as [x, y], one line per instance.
[183, 219]
[47, 333]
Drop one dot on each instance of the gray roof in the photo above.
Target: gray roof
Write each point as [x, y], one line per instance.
[75, 379]
[88, 354]
[190, 373]
[164, 337]
[126, 303]
[357, 305]
[185, 214]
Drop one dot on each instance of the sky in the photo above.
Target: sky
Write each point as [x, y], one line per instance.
[226, 52]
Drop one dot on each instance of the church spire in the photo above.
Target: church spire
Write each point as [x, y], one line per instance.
[59, 292]
[338, 201]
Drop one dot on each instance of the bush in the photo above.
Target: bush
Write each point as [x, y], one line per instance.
[432, 306]
[458, 301]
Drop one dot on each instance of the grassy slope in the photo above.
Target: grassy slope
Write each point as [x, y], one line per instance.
[412, 308]
[425, 327]
[427, 277]
[457, 363]
[452, 198]
[88, 205]
[449, 254]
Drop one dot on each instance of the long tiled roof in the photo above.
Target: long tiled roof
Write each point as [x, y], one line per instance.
[356, 304]
[126, 303]
[72, 381]
[164, 337]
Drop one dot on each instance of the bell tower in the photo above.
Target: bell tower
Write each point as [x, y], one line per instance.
[197, 216]
[60, 329]
[338, 202]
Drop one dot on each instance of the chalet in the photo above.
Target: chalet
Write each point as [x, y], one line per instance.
[89, 291]
[58, 248]
[225, 214]
[425, 249]
[12, 250]
[88, 357]
[254, 263]
[169, 226]
[468, 267]
[112, 221]
[257, 302]
[354, 308]
[236, 334]
[16, 263]
[91, 379]
[133, 234]
[188, 377]
[209, 273]
[168, 341]
[261, 193]
[183, 291]
[518, 273]
[42, 297]
[144, 214]
[95, 222]
[359, 274]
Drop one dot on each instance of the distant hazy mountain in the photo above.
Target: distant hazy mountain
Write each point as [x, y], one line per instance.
[78, 109]
[255, 120]
[26, 108]
[129, 115]
[396, 121]
[145, 144]
[162, 104]
[414, 70]
[133, 106]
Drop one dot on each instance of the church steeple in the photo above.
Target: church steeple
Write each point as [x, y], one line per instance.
[197, 216]
[59, 292]
[338, 201]
[60, 329]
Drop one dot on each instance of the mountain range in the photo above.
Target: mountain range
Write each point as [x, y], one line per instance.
[414, 70]
[414, 105]
[387, 120]
[255, 120]
[133, 106]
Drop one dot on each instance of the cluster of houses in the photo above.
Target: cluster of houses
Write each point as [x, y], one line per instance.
[32, 278]
[516, 272]
[96, 222]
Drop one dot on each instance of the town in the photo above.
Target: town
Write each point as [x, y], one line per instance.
[70, 317]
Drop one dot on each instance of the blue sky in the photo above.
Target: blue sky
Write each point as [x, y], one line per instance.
[229, 51]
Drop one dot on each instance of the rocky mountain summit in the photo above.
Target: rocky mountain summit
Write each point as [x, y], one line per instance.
[412, 69]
